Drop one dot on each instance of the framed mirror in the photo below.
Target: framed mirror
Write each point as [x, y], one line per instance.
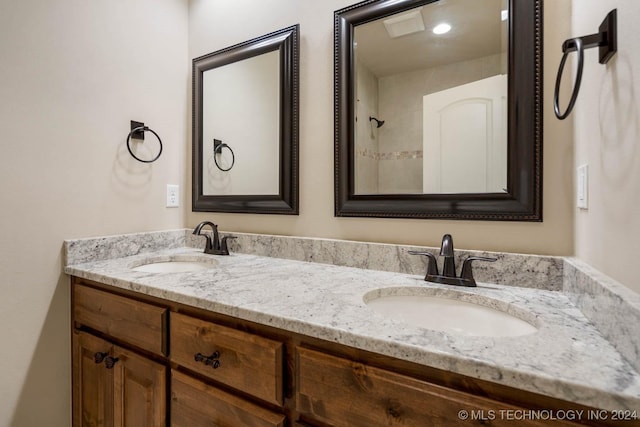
[438, 109]
[245, 126]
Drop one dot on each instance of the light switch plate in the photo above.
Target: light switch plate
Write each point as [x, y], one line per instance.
[582, 188]
[173, 196]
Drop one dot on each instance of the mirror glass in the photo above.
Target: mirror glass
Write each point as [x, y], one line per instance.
[245, 126]
[241, 108]
[438, 109]
[431, 97]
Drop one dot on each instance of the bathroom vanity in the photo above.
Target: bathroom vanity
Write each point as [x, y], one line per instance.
[258, 341]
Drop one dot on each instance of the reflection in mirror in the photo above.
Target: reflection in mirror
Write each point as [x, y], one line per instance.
[425, 82]
[438, 109]
[245, 126]
[241, 108]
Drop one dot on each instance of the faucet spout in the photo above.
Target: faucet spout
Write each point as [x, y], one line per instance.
[446, 251]
[213, 246]
[448, 276]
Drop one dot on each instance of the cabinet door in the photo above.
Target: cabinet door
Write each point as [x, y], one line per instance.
[92, 382]
[139, 391]
[196, 404]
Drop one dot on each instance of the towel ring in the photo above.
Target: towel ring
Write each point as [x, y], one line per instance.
[606, 40]
[217, 149]
[143, 129]
[576, 88]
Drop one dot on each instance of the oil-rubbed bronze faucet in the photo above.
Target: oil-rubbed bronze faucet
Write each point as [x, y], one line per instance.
[213, 245]
[448, 275]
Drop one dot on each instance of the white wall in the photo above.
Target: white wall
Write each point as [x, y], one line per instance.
[72, 75]
[606, 123]
[215, 24]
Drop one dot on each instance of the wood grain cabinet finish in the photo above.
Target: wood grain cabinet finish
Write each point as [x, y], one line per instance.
[196, 404]
[250, 375]
[245, 361]
[135, 322]
[121, 389]
[343, 393]
[140, 391]
[92, 382]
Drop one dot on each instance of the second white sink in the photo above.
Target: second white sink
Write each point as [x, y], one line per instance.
[446, 314]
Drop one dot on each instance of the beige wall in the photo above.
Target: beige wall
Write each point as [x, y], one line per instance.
[606, 123]
[214, 24]
[72, 75]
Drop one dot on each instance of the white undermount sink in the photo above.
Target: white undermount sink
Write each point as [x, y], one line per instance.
[175, 265]
[447, 314]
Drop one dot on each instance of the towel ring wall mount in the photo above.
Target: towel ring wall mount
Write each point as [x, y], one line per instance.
[606, 39]
[137, 132]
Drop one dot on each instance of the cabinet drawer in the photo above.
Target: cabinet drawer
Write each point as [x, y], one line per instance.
[195, 404]
[379, 397]
[137, 323]
[245, 361]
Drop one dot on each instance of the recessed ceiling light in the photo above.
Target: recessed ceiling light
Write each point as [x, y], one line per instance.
[504, 15]
[441, 28]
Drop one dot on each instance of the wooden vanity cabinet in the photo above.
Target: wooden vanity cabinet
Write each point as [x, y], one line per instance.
[114, 386]
[181, 366]
[125, 374]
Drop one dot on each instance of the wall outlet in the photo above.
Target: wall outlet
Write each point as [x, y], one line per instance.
[582, 188]
[173, 196]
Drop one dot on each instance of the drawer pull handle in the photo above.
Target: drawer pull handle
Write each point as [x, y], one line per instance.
[99, 356]
[109, 361]
[209, 360]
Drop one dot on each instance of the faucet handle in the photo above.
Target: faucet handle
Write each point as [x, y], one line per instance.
[467, 270]
[432, 266]
[223, 246]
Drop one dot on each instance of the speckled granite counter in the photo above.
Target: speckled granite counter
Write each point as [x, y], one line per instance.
[567, 358]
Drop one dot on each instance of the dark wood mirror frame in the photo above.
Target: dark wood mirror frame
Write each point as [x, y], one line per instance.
[286, 41]
[523, 199]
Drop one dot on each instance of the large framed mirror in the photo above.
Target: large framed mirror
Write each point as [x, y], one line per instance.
[245, 126]
[438, 109]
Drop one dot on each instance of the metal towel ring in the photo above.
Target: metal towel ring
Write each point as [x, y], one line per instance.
[143, 129]
[218, 146]
[576, 88]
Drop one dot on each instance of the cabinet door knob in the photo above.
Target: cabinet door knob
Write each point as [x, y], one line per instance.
[110, 361]
[99, 356]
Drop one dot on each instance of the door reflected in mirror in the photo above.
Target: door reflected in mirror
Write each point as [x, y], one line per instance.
[431, 106]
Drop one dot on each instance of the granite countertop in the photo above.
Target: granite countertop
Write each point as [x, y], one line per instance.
[567, 358]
